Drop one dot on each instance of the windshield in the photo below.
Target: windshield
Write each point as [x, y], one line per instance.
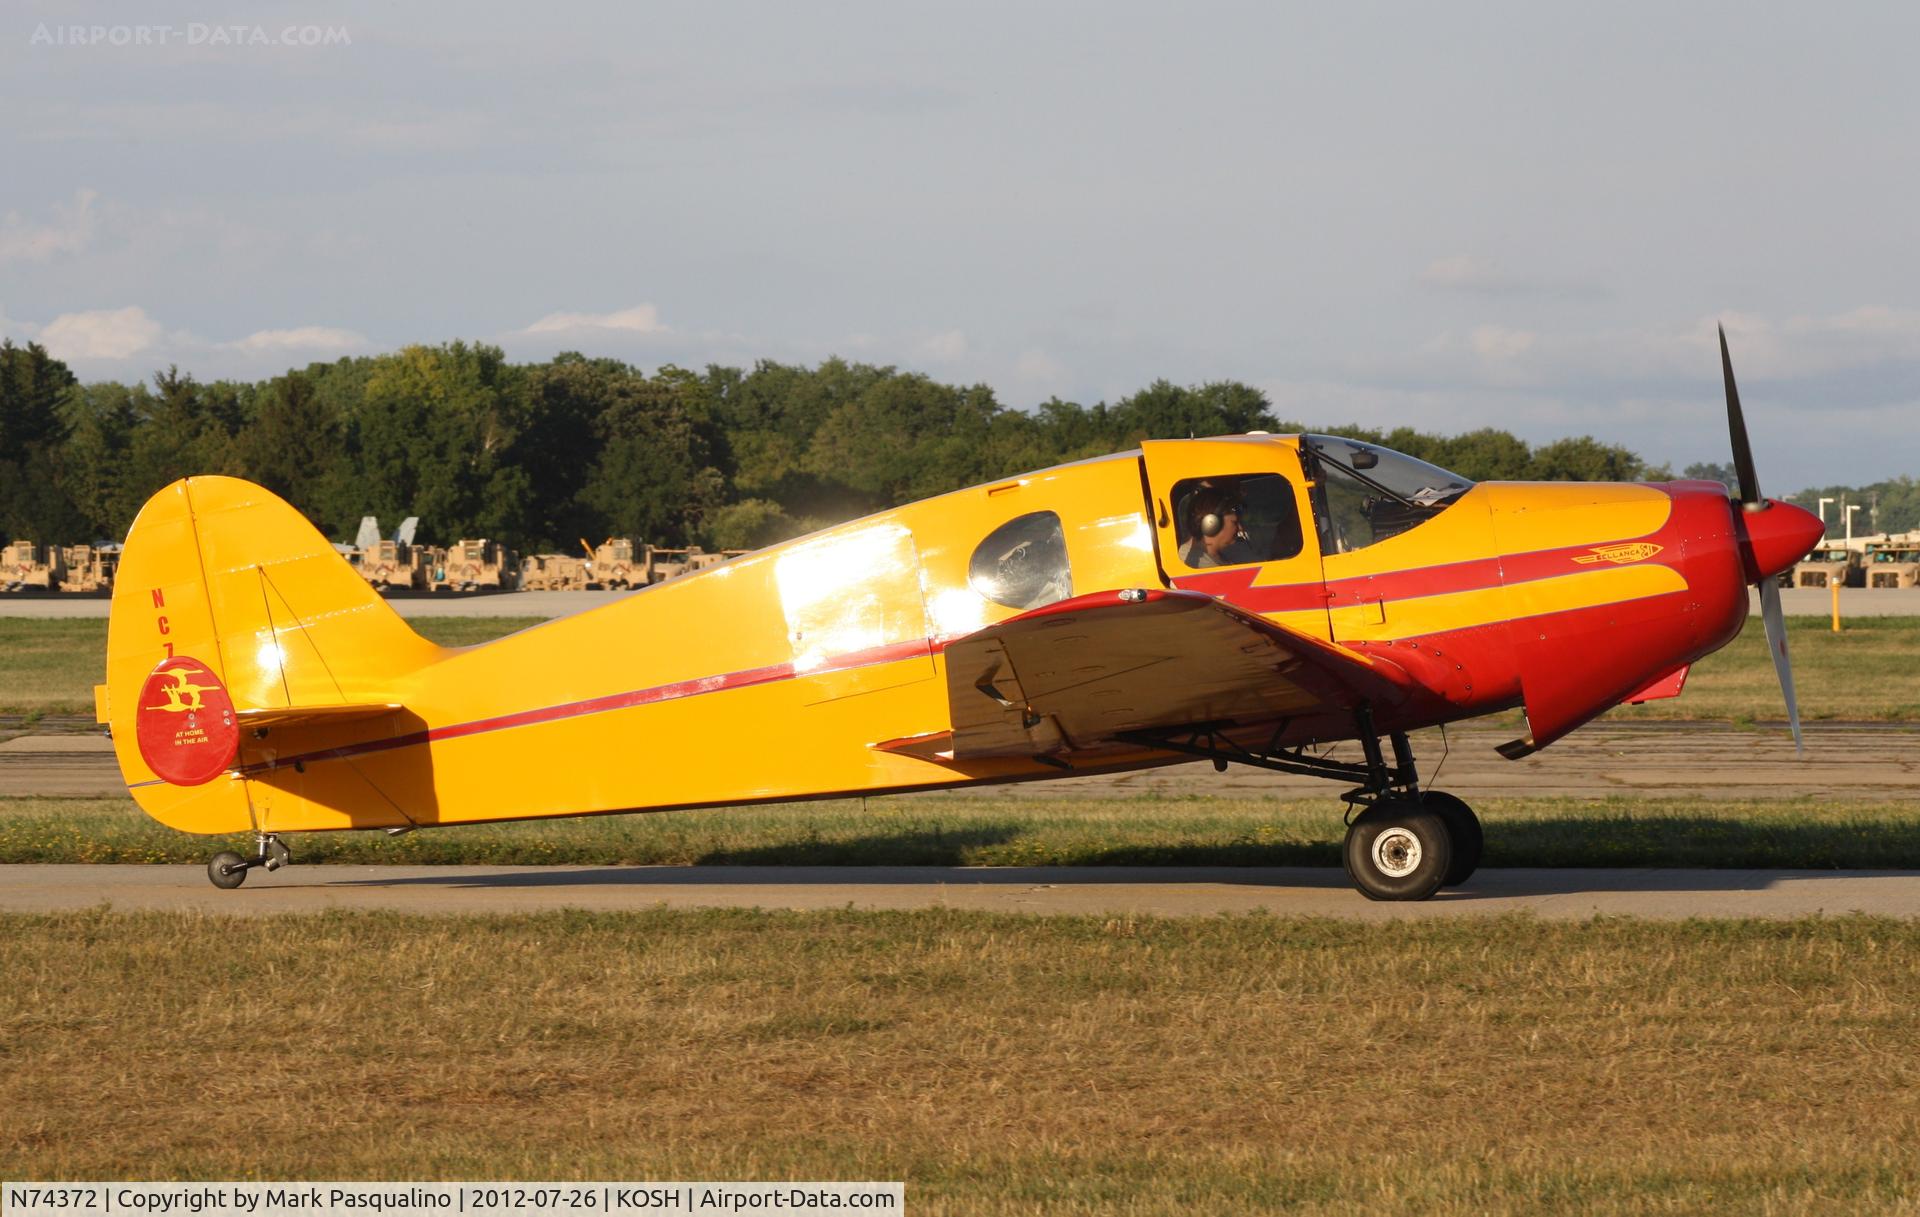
[1365, 493]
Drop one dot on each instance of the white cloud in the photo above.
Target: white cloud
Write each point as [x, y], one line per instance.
[300, 338]
[944, 347]
[1860, 341]
[22, 240]
[1478, 276]
[1498, 343]
[1037, 365]
[640, 319]
[1462, 272]
[100, 334]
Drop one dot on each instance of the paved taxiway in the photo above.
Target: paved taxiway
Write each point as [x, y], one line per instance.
[1160, 891]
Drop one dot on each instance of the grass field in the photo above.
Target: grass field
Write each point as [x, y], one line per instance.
[1869, 672]
[49, 666]
[997, 1064]
[1035, 831]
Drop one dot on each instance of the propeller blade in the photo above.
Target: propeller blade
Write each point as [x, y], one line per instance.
[1776, 625]
[1737, 429]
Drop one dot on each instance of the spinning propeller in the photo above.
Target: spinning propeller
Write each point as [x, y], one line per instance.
[1763, 543]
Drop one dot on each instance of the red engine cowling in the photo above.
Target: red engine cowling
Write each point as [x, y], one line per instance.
[1577, 664]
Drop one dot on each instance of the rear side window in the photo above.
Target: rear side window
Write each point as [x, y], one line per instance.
[1023, 563]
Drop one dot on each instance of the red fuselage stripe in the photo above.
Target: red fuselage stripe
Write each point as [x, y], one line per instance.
[1234, 585]
[1474, 575]
[891, 653]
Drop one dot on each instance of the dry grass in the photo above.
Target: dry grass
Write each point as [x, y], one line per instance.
[1870, 672]
[1036, 831]
[998, 1064]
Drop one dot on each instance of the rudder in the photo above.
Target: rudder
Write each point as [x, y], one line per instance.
[225, 574]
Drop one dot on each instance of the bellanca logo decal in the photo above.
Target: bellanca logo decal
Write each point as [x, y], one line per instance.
[1618, 554]
[185, 726]
[183, 697]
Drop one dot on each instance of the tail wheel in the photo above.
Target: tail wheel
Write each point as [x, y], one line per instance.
[1464, 827]
[1398, 850]
[227, 870]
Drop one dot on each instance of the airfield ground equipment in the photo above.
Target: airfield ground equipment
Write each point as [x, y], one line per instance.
[1833, 563]
[391, 565]
[660, 563]
[89, 568]
[394, 566]
[25, 566]
[616, 563]
[554, 573]
[1894, 562]
[474, 566]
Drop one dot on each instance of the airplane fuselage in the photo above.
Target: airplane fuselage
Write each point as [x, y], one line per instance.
[784, 674]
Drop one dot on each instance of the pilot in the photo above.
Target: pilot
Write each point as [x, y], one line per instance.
[1213, 526]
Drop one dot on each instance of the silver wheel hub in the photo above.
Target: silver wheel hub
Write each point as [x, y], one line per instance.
[1396, 853]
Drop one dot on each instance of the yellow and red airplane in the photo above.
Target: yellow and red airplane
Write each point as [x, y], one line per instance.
[1246, 599]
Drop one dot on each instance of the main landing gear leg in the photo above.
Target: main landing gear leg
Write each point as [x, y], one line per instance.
[228, 870]
[1402, 843]
[1406, 844]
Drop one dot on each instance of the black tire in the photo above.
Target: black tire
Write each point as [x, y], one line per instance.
[227, 870]
[1464, 827]
[1398, 851]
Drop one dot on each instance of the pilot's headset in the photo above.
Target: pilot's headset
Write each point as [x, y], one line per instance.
[1213, 508]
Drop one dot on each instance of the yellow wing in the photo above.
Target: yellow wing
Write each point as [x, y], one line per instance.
[1078, 674]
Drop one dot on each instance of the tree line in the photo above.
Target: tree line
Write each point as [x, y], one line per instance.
[541, 454]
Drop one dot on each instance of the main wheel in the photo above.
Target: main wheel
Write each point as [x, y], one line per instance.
[1464, 827]
[227, 870]
[1398, 850]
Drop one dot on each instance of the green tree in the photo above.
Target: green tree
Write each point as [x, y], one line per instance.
[653, 477]
[1583, 459]
[748, 524]
[431, 436]
[35, 502]
[292, 443]
[1723, 474]
[181, 428]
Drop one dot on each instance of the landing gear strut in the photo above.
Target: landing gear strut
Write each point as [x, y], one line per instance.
[1403, 844]
[228, 870]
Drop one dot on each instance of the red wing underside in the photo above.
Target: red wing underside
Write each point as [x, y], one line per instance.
[1076, 675]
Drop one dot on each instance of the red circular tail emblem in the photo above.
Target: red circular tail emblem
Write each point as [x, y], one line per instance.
[185, 725]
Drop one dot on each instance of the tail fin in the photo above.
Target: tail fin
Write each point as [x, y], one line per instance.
[232, 613]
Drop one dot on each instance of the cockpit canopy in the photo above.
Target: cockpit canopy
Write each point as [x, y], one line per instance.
[1365, 493]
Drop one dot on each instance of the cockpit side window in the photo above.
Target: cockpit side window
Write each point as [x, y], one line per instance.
[1023, 563]
[1365, 494]
[1235, 519]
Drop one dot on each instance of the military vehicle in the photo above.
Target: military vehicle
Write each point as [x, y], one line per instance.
[554, 573]
[89, 567]
[22, 569]
[397, 565]
[1894, 562]
[472, 566]
[1832, 563]
[615, 564]
[661, 563]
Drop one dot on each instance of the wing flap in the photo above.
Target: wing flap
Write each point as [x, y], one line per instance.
[1075, 675]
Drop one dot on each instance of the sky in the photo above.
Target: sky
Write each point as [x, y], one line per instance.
[1528, 216]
